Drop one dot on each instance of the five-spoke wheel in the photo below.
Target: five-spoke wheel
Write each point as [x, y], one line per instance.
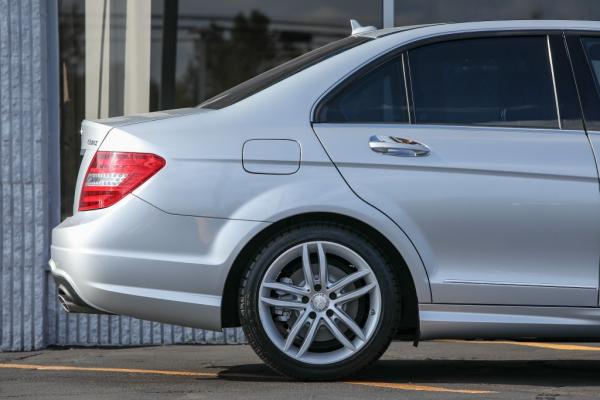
[317, 296]
[319, 302]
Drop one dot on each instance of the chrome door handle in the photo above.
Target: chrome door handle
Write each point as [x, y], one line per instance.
[396, 146]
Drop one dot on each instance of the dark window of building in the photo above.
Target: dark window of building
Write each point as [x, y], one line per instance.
[500, 81]
[201, 48]
[409, 12]
[281, 72]
[379, 96]
[72, 85]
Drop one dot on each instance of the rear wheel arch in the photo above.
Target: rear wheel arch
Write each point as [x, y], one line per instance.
[409, 326]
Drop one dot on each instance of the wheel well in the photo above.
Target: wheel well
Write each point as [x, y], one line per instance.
[409, 326]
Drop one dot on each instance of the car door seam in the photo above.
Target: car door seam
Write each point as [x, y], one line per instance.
[376, 208]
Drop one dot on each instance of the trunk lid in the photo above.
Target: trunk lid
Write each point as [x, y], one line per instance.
[93, 132]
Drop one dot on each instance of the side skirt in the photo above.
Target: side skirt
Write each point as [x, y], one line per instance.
[458, 321]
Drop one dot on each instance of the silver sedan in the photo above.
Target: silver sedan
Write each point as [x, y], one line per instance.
[412, 183]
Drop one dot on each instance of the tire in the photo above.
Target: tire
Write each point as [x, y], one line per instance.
[268, 325]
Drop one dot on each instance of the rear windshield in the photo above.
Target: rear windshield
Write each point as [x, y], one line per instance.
[281, 72]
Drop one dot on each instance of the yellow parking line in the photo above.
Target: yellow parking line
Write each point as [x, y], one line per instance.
[551, 346]
[387, 385]
[115, 370]
[418, 388]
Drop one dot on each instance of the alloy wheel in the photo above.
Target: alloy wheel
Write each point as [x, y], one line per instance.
[319, 302]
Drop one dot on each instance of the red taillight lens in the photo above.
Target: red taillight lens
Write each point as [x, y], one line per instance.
[113, 175]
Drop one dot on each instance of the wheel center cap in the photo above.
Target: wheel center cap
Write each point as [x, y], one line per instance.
[320, 302]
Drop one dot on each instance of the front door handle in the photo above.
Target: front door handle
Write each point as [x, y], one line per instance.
[396, 146]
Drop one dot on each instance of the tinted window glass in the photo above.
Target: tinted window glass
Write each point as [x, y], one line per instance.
[592, 49]
[282, 72]
[485, 81]
[377, 96]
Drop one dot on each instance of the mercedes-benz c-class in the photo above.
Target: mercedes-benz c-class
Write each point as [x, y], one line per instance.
[411, 183]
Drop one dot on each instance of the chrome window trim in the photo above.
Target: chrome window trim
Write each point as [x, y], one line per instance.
[553, 82]
[404, 77]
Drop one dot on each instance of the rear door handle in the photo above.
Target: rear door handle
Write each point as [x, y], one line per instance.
[397, 146]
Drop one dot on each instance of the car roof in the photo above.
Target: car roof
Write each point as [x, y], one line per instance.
[483, 26]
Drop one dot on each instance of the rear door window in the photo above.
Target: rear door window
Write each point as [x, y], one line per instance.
[496, 81]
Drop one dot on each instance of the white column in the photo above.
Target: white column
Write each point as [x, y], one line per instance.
[97, 50]
[388, 13]
[137, 56]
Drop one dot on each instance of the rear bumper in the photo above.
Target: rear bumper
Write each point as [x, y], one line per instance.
[137, 260]
[68, 297]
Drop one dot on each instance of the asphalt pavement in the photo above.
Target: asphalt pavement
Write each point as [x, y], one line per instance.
[435, 370]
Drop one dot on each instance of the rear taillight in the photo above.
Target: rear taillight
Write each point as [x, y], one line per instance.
[113, 175]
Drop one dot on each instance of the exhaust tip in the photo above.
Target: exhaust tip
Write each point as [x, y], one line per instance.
[63, 302]
[70, 301]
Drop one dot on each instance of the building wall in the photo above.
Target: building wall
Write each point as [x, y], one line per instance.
[24, 173]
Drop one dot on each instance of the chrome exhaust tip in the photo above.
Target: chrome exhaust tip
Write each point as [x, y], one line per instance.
[72, 303]
[63, 302]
